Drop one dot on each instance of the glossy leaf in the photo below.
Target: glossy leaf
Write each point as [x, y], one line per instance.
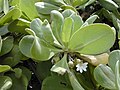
[105, 76]
[45, 8]
[79, 2]
[91, 39]
[5, 82]
[4, 68]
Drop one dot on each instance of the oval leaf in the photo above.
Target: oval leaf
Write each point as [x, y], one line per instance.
[92, 39]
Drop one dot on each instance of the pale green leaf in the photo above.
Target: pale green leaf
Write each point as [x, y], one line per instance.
[5, 82]
[113, 58]
[6, 6]
[92, 39]
[67, 30]
[105, 76]
[4, 68]
[45, 8]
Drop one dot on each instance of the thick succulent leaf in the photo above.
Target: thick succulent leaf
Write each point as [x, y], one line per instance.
[7, 45]
[92, 39]
[18, 72]
[27, 7]
[68, 12]
[0, 43]
[67, 30]
[1, 6]
[61, 67]
[42, 30]
[74, 82]
[78, 22]
[45, 8]
[105, 76]
[4, 30]
[10, 16]
[117, 75]
[55, 2]
[91, 19]
[4, 68]
[5, 6]
[57, 22]
[113, 58]
[5, 82]
[19, 26]
[31, 47]
[43, 71]
[79, 2]
[18, 83]
[56, 83]
[109, 4]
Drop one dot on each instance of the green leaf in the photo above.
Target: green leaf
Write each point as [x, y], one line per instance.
[105, 76]
[4, 68]
[10, 16]
[26, 72]
[0, 43]
[1, 6]
[4, 30]
[5, 82]
[78, 22]
[113, 58]
[74, 82]
[57, 22]
[19, 26]
[31, 47]
[18, 84]
[109, 4]
[79, 2]
[67, 13]
[5, 6]
[18, 72]
[91, 19]
[67, 30]
[45, 8]
[7, 45]
[91, 39]
[59, 83]
[27, 7]
[43, 71]
[61, 67]
[117, 75]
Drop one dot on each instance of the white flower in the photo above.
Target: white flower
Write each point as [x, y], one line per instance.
[81, 67]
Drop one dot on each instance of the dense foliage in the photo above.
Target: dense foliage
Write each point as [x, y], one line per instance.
[59, 45]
